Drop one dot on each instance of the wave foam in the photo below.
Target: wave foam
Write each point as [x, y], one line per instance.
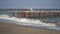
[25, 20]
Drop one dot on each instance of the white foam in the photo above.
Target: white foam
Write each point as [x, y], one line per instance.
[25, 20]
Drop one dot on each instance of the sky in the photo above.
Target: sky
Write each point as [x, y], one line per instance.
[30, 4]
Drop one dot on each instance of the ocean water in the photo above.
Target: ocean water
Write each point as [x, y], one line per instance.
[47, 23]
[6, 12]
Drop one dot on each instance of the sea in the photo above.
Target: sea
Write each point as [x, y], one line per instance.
[49, 22]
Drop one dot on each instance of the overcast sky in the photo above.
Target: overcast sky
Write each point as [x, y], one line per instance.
[30, 4]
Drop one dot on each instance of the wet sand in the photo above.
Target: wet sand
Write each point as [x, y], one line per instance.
[7, 28]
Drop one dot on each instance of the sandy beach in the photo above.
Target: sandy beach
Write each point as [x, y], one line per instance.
[8, 28]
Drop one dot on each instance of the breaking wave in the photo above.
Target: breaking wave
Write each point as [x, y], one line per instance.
[26, 20]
